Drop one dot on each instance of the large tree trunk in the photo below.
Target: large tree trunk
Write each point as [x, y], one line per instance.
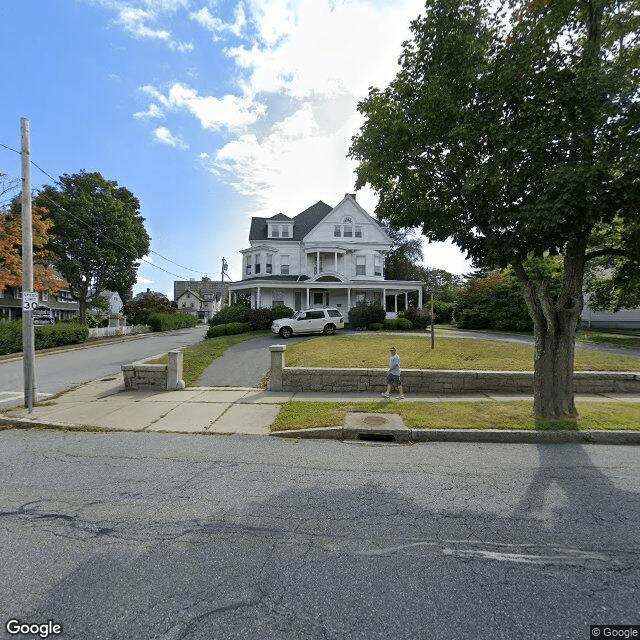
[554, 322]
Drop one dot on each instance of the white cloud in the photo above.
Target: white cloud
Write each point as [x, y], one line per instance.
[162, 134]
[154, 111]
[136, 16]
[206, 19]
[229, 112]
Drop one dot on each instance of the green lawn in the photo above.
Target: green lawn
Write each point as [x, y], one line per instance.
[459, 415]
[372, 350]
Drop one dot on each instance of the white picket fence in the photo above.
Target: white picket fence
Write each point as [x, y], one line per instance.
[106, 332]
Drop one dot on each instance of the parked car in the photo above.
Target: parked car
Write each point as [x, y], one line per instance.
[309, 321]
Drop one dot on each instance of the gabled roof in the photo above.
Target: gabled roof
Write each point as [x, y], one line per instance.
[302, 223]
[280, 216]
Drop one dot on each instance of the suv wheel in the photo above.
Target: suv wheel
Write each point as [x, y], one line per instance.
[329, 329]
[285, 332]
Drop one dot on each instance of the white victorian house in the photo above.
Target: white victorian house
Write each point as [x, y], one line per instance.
[324, 256]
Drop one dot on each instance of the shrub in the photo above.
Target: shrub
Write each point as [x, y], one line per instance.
[138, 311]
[281, 311]
[390, 324]
[261, 318]
[234, 328]
[364, 313]
[443, 311]
[217, 331]
[419, 318]
[233, 313]
[404, 324]
[169, 321]
[375, 326]
[45, 337]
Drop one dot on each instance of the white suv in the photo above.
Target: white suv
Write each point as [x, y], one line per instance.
[309, 321]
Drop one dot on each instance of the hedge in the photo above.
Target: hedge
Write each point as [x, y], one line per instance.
[375, 326]
[404, 324]
[229, 329]
[234, 313]
[45, 337]
[390, 324]
[169, 321]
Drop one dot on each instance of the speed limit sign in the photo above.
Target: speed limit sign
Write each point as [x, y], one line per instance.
[29, 300]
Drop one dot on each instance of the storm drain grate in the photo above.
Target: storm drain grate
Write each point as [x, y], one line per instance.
[376, 437]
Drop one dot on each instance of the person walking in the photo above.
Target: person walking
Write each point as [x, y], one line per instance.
[393, 375]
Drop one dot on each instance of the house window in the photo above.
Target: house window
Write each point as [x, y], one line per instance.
[193, 304]
[18, 293]
[248, 265]
[1, 293]
[285, 231]
[361, 265]
[358, 232]
[337, 231]
[44, 296]
[269, 265]
[284, 265]
[257, 263]
[188, 296]
[275, 231]
[184, 305]
[348, 231]
[377, 266]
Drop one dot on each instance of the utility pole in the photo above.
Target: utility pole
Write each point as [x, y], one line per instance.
[433, 335]
[28, 339]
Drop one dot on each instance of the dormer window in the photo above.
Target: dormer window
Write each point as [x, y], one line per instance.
[280, 230]
[346, 229]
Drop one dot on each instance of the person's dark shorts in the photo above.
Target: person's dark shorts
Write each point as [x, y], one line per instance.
[393, 380]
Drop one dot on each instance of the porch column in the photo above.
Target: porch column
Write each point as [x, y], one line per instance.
[307, 298]
[396, 298]
[258, 298]
[335, 255]
[318, 261]
[384, 299]
[420, 298]
[348, 298]
[406, 300]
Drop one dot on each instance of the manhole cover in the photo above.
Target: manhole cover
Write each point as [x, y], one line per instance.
[375, 421]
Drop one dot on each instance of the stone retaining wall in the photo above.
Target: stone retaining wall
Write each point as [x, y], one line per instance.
[430, 381]
[161, 377]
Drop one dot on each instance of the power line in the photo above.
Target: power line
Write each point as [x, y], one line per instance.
[115, 244]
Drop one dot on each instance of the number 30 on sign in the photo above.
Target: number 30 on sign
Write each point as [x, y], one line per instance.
[29, 300]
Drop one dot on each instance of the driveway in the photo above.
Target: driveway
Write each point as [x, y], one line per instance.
[244, 364]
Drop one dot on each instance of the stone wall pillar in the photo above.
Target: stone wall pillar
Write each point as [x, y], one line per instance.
[174, 371]
[277, 364]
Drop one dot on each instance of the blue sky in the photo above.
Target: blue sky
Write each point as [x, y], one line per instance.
[209, 111]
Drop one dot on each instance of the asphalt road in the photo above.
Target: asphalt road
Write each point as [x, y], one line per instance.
[56, 372]
[167, 537]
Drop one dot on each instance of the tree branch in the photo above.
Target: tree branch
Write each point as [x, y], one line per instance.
[606, 251]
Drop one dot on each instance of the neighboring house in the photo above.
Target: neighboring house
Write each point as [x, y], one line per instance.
[324, 256]
[113, 300]
[201, 298]
[148, 292]
[623, 319]
[63, 306]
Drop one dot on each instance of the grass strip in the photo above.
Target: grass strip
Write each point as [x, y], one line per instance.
[372, 350]
[460, 415]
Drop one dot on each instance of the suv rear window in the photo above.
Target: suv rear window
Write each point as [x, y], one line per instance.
[315, 314]
[334, 313]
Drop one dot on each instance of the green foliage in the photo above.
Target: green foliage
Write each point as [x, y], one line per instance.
[216, 331]
[138, 311]
[419, 318]
[281, 311]
[98, 234]
[366, 312]
[404, 324]
[170, 321]
[443, 311]
[229, 329]
[234, 313]
[390, 324]
[261, 319]
[375, 326]
[45, 337]
[496, 301]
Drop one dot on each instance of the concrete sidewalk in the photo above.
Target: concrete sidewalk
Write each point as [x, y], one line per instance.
[104, 404]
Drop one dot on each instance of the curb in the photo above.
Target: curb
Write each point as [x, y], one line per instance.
[497, 436]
